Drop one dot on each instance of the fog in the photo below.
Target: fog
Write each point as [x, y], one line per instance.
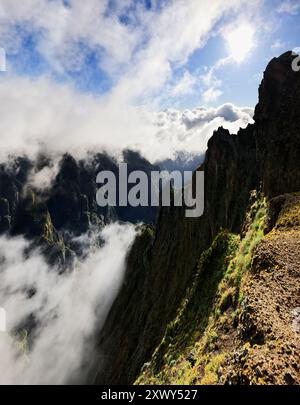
[63, 311]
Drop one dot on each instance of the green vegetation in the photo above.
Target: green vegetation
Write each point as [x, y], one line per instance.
[212, 368]
[49, 230]
[20, 341]
[230, 288]
[196, 342]
[54, 239]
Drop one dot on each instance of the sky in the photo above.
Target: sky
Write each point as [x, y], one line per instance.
[133, 73]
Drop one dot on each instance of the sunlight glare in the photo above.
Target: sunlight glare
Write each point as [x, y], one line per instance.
[240, 41]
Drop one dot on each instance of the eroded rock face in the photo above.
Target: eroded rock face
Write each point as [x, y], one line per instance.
[277, 127]
[265, 154]
[12, 179]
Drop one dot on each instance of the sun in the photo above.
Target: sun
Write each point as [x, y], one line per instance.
[240, 41]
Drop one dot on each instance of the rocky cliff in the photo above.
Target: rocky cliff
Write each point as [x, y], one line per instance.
[213, 300]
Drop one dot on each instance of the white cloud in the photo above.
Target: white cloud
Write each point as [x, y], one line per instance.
[278, 44]
[41, 116]
[43, 179]
[289, 7]
[212, 85]
[186, 85]
[296, 50]
[174, 35]
[190, 130]
[228, 112]
[61, 29]
[239, 40]
[211, 94]
[139, 55]
[68, 308]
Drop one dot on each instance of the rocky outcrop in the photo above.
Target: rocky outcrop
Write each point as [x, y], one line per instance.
[12, 179]
[277, 127]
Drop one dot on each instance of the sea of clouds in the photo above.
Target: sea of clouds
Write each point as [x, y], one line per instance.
[64, 309]
[40, 116]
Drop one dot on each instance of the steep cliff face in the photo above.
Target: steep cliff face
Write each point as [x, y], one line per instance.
[12, 180]
[155, 286]
[163, 266]
[277, 124]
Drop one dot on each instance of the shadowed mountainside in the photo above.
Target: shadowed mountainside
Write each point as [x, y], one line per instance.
[163, 265]
[51, 216]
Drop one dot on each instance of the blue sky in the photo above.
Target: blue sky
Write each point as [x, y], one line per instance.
[276, 26]
[129, 56]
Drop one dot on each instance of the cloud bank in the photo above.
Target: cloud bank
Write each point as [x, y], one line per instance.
[133, 44]
[65, 308]
[43, 116]
[137, 48]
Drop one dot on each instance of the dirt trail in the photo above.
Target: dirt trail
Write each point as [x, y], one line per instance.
[269, 327]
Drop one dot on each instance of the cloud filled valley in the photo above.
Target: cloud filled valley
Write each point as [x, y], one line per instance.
[60, 311]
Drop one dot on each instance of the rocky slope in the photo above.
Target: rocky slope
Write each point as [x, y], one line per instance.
[198, 302]
[238, 323]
